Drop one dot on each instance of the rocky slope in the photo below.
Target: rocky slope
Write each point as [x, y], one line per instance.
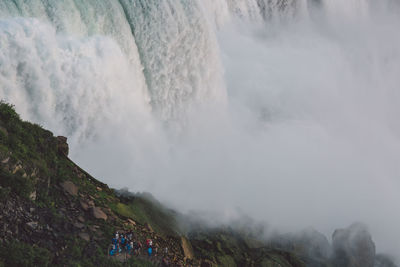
[63, 216]
[54, 213]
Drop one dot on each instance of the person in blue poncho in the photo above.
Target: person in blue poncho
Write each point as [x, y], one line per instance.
[128, 247]
[113, 250]
[123, 241]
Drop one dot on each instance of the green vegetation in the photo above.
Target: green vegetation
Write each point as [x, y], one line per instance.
[19, 254]
[226, 261]
[145, 209]
[123, 210]
[31, 162]
[14, 183]
[28, 142]
[135, 262]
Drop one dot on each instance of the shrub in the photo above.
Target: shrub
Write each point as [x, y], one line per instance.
[17, 184]
[7, 112]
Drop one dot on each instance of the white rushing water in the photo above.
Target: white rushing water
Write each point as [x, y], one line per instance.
[283, 110]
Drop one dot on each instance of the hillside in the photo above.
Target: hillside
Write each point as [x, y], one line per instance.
[53, 213]
[58, 212]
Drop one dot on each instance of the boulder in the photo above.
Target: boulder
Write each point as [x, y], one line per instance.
[84, 236]
[131, 222]
[353, 246]
[84, 205]
[91, 203]
[93, 228]
[312, 244]
[5, 161]
[16, 168]
[187, 248]
[32, 196]
[32, 225]
[62, 145]
[70, 188]
[98, 213]
[79, 225]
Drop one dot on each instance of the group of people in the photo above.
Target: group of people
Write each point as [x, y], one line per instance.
[124, 242]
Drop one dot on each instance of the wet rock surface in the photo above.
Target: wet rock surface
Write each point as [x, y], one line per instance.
[353, 246]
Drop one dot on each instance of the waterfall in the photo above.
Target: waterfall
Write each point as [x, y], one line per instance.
[179, 52]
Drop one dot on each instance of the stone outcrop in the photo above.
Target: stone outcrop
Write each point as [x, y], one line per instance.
[98, 213]
[70, 188]
[32, 225]
[62, 145]
[314, 244]
[84, 236]
[353, 246]
[382, 260]
[84, 205]
[79, 225]
[187, 248]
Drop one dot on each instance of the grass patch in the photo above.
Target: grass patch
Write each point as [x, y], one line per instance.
[226, 260]
[124, 210]
[135, 262]
[20, 254]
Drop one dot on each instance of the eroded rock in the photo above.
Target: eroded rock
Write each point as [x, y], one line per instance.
[32, 225]
[85, 236]
[70, 188]
[91, 203]
[187, 248]
[32, 196]
[131, 222]
[98, 213]
[84, 205]
[62, 145]
[79, 225]
[5, 161]
[353, 246]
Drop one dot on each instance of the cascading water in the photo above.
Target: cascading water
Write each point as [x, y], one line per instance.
[178, 52]
[287, 110]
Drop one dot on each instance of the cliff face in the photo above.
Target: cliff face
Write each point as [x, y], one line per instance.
[63, 216]
[53, 213]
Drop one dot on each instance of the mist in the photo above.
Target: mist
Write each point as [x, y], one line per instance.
[310, 136]
[304, 131]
